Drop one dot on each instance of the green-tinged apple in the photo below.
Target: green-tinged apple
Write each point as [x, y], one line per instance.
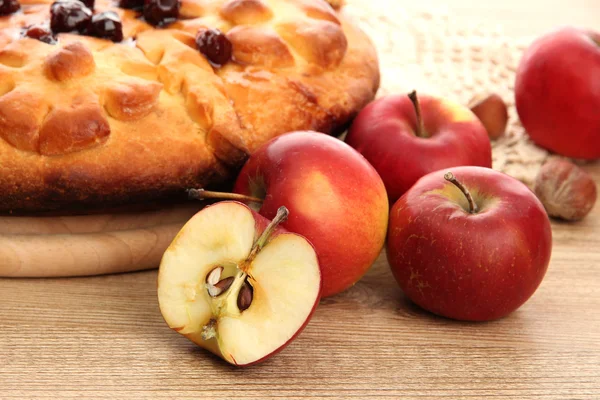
[557, 92]
[335, 197]
[237, 284]
[406, 137]
[469, 243]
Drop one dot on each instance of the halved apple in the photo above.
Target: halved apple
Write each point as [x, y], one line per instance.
[237, 285]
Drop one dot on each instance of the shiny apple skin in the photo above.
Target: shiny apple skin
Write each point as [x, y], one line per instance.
[557, 92]
[474, 267]
[384, 132]
[335, 197]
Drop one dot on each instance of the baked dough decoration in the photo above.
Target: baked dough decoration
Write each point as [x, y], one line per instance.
[87, 122]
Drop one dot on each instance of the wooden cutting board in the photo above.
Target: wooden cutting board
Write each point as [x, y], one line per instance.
[58, 246]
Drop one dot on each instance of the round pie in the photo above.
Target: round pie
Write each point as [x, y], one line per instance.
[99, 107]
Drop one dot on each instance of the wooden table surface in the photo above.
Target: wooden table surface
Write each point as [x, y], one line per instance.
[103, 337]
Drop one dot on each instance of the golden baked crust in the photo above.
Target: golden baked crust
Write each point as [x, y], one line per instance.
[89, 122]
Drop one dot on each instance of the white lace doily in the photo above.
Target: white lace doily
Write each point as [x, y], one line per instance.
[427, 51]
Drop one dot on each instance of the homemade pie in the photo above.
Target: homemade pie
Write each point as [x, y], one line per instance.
[113, 103]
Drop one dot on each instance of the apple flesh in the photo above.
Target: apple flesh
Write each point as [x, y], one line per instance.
[335, 197]
[236, 285]
[557, 92]
[405, 141]
[474, 263]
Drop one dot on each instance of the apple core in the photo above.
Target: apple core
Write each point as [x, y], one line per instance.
[238, 285]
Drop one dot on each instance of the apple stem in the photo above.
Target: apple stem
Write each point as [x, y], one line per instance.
[420, 125]
[473, 209]
[201, 194]
[282, 214]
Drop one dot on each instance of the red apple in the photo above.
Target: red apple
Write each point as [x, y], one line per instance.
[477, 259]
[405, 137]
[335, 197]
[237, 285]
[557, 92]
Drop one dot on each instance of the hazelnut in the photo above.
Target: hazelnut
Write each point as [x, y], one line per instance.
[492, 112]
[565, 190]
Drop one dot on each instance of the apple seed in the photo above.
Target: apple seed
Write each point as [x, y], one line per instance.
[212, 282]
[220, 286]
[213, 291]
[214, 276]
[224, 284]
[245, 296]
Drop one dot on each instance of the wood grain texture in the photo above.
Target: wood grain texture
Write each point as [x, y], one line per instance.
[56, 225]
[103, 337]
[88, 245]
